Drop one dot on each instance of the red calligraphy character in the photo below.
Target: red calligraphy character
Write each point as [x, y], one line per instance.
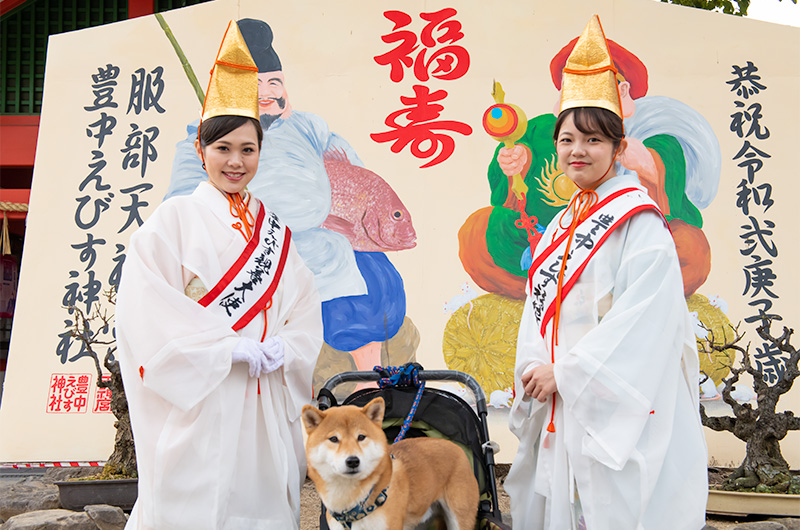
[102, 397]
[446, 63]
[80, 403]
[407, 43]
[82, 385]
[68, 394]
[420, 129]
[58, 382]
[102, 400]
[452, 28]
[81, 400]
[54, 403]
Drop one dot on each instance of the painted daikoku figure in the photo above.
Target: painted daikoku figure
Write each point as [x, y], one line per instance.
[672, 150]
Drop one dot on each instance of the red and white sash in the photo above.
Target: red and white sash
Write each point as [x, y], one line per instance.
[590, 234]
[248, 285]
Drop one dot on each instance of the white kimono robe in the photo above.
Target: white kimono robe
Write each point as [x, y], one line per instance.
[628, 433]
[212, 451]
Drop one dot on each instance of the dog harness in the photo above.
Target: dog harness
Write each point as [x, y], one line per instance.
[361, 510]
[397, 376]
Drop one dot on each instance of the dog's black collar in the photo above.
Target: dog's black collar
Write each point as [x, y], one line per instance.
[361, 509]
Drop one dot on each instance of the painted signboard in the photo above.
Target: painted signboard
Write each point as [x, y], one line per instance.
[380, 154]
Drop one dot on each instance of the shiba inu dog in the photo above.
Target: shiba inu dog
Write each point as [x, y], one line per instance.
[366, 484]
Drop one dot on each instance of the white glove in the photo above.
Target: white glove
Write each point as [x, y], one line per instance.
[263, 357]
[272, 348]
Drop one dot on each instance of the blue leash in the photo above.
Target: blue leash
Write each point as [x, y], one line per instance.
[406, 375]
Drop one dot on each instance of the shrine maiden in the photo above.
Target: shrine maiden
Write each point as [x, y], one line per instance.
[219, 327]
[606, 406]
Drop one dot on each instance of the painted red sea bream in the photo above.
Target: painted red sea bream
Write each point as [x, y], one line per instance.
[365, 209]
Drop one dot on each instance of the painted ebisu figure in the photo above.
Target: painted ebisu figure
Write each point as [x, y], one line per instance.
[343, 216]
[673, 152]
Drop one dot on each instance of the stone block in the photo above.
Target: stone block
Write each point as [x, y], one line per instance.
[50, 520]
[27, 495]
[106, 517]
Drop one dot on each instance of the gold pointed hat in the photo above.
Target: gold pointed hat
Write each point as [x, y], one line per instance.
[233, 87]
[590, 77]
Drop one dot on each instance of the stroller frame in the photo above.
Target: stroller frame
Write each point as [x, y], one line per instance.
[487, 508]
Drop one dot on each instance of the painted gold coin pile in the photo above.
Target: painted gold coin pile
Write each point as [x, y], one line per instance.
[481, 339]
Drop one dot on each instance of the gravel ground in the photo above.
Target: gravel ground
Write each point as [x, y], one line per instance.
[310, 508]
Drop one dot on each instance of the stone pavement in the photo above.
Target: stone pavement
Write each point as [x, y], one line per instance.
[29, 501]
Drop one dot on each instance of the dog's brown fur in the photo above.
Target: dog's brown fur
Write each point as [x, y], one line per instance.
[350, 460]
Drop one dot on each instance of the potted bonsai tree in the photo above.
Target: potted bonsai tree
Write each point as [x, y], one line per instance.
[116, 485]
[761, 427]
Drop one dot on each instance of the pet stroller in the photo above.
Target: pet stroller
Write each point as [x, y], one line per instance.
[436, 413]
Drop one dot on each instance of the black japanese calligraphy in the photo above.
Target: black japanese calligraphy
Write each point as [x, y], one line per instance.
[95, 196]
[759, 247]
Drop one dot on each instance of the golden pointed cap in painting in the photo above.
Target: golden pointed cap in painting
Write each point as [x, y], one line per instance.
[233, 88]
[590, 77]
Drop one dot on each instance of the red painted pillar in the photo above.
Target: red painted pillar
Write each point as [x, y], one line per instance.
[18, 139]
[138, 8]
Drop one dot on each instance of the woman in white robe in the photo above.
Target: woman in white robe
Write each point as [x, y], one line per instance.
[606, 411]
[628, 436]
[215, 412]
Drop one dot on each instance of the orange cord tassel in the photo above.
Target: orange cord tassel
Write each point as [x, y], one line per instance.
[269, 304]
[580, 207]
[239, 209]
